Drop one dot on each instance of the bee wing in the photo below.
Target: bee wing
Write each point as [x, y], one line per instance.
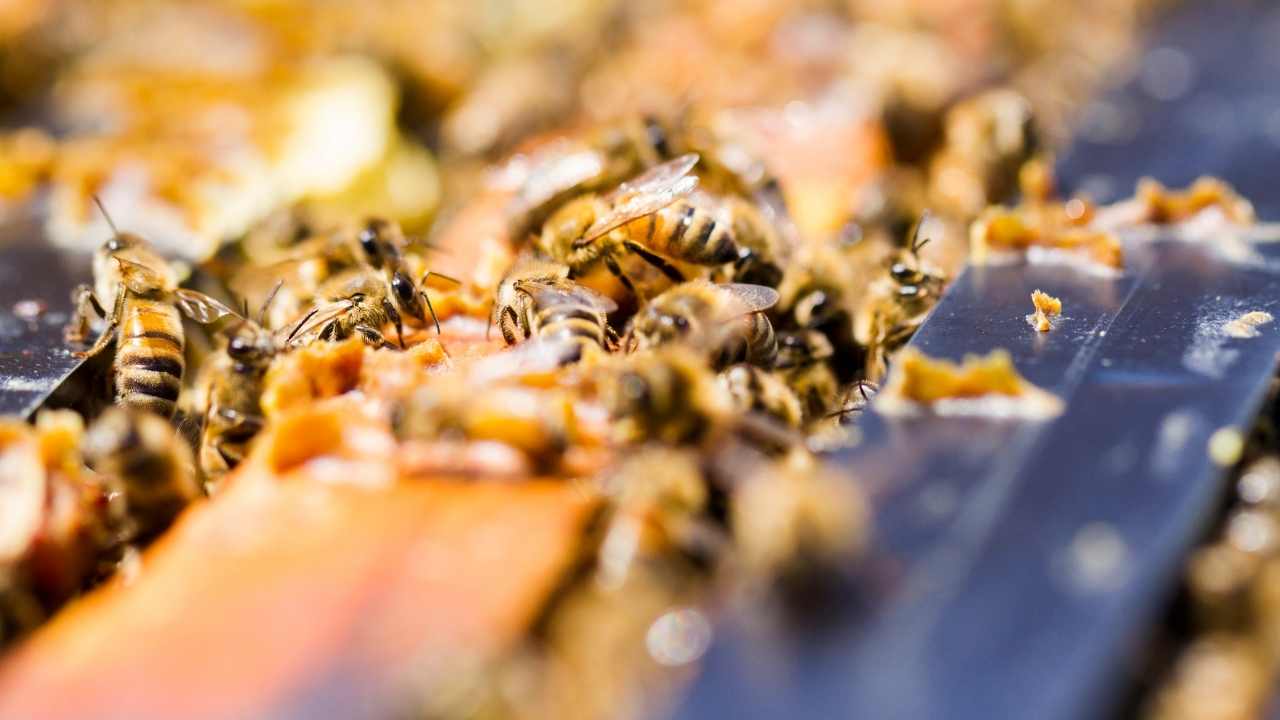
[751, 298]
[532, 357]
[201, 307]
[139, 278]
[316, 318]
[548, 291]
[646, 194]
[547, 180]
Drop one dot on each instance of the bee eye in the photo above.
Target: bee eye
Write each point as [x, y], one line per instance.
[681, 322]
[901, 272]
[909, 291]
[402, 287]
[113, 244]
[369, 243]
[239, 346]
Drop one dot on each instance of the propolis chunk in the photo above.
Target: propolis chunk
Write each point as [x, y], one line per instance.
[917, 380]
[1162, 205]
[1005, 230]
[1047, 306]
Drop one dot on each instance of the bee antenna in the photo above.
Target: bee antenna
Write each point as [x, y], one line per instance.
[916, 242]
[862, 390]
[301, 322]
[432, 310]
[103, 209]
[262, 316]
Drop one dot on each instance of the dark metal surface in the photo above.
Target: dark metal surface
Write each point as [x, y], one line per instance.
[34, 360]
[1018, 563]
[1018, 566]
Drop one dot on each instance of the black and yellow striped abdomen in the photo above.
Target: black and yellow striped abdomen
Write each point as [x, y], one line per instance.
[568, 322]
[685, 231]
[149, 360]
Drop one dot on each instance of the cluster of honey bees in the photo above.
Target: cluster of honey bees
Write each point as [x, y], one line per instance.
[677, 302]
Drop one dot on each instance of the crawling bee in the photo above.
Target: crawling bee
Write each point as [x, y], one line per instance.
[668, 395]
[150, 462]
[803, 363]
[234, 416]
[898, 304]
[857, 398]
[141, 290]
[622, 150]
[540, 423]
[654, 514]
[754, 389]
[537, 299]
[363, 300]
[650, 216]
[727, 321]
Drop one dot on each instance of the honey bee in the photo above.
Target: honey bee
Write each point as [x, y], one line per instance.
[540, 423]
[795, 519]
[536, 299]
[655, 513]
[650, 216]
[857, 398]
[727, 321]
[150, 462]
[144, 321]
[803, 363]
[624, 149]
[898, 304]
[667, 395]
[754, 389]
[363, 300]
[234, 414]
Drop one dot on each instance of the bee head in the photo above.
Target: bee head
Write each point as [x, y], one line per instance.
[405, 294]
[375, 241]
[248, 345]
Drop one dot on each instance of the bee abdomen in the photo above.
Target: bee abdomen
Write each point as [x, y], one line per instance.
[762, 344]
[149, 361]
[572, 324]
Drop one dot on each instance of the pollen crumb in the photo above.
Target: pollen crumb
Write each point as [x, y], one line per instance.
[1246, 326]
[1047, 306]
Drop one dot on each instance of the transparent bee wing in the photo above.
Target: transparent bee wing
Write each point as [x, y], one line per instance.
[532, 357]
[546, 291]
[317, 318]
[140, 278]
[201, 307]
[646, 194]
[547, 180]
[752, 298]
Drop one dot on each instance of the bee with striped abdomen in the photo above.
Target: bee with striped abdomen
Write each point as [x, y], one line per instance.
[144, 322]
[803, 362]
[537, 299]
[726, 321]
[234, 413]
[650, 216]
[151, 463]
[363, 300]
[897, 305]
[755, 389]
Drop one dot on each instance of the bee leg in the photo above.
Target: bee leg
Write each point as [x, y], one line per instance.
[666, 268]
[507, 333]
[86, 306]
[612, 265]
[108, 332]
[395, 318]
[373, 336]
